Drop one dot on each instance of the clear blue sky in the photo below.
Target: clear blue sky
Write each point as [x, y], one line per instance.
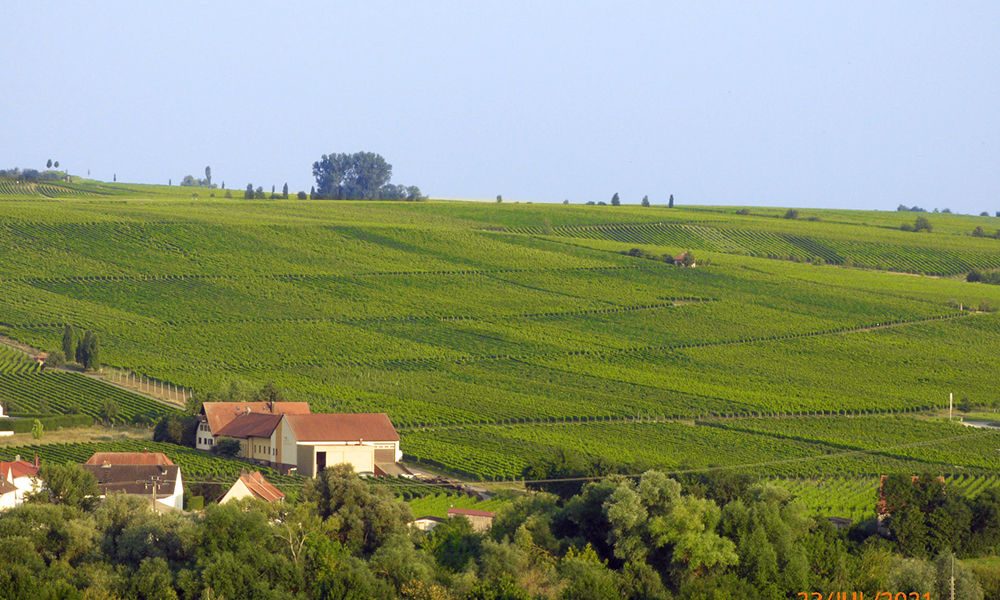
[853, 105]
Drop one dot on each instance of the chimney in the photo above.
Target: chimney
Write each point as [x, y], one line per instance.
[17, 458]
[37, 464]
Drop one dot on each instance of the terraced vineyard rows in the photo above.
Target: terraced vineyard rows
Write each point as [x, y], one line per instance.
[764, 244]
[71, 392]
[502, 452]
[13, 361]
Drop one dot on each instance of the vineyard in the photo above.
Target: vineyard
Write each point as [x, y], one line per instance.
[71, 393]
[437, 505]
[492, 333]
[882, 444]
[16, 362]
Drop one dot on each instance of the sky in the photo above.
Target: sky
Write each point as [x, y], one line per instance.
[807, 104]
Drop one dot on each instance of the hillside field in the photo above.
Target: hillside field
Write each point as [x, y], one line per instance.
[494, 333]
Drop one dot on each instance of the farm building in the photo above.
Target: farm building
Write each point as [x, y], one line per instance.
[253, 485]
[149, 474]
[365, 440]
[216, 415]
[308, 443]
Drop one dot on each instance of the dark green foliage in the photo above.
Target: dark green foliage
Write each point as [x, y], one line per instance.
[69, 342]
[174, 429]
[615, 201]
[49, 423]
[248, 195]
[66, 485]
[284, 191]
[88, 351]
[571, 469]
[226, 447]
[670, 203]
[791, 214]
[743, 211]
[302, 195]
[365, 517]
[645, 201]
[358, 176]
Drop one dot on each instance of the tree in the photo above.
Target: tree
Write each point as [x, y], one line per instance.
[88, 351]
[68, 342]
[615, 201]
[922, 224]
[37, 429]
[670, 203]
[363, 517]
[791, 214]
[56, 164]
[48, 165]
[226, 448]
[208, 176]
[979, 232]
[500, 199]
[67, 485]
[351, 176]
[284, 191]
[249, 193]
[109, 410]
[55, 359]
[302, 195]
[645, 200]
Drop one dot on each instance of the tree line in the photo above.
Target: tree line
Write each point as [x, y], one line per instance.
[699, 536]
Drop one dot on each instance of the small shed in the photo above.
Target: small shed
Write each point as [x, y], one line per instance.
[481, 519]
[253, 484]
[427, 523]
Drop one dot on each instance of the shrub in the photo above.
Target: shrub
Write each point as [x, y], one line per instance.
[791, 214]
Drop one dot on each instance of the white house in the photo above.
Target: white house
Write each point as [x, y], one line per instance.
[253, 485]
[148, 474]
[22, 475]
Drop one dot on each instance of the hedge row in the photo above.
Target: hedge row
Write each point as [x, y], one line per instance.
[49, 423]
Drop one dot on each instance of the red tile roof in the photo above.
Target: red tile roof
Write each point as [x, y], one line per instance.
[219, 414]
[342, 427]
[129, 458]
[250, 425]
[16, 469]
[260, 487]
[470, 513]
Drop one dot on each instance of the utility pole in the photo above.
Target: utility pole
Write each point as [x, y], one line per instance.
[952, 577]
[153, 483]
[951, 403]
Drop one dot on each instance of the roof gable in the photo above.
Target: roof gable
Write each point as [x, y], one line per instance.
[342, 427]
[10, 471]
[129, 458]
[260, 487]
[250, 425]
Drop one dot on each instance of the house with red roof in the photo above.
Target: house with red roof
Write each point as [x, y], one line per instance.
[19, 477]
[216, 415]
[368, 441]
[148, 474]
[253, 485]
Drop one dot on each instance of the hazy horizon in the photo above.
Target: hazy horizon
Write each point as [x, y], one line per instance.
[853, 106]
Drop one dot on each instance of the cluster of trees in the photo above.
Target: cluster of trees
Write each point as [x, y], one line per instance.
[359, 176]
[921, 224]
[947, 211]
[688, 259]
[980, 232]
[84, 350]
[260, 194]
[31, 175]
[650, 537]
[191, 181]
[990, 277]
[616, 201]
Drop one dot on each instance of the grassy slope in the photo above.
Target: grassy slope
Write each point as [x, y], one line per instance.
[433, 314]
